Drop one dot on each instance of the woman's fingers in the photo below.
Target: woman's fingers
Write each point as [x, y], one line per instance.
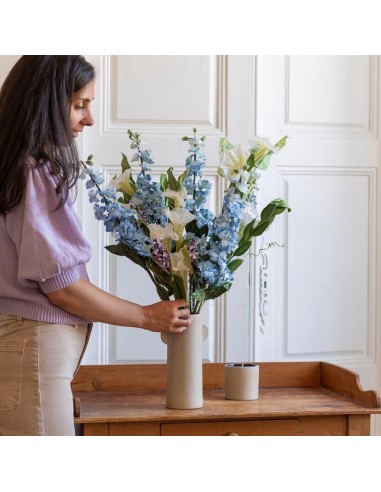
[168, 316]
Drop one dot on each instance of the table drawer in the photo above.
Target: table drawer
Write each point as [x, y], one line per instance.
[284, 427]
[133, 429]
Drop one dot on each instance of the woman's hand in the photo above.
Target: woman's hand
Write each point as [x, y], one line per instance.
[89, 302]
[167, 316]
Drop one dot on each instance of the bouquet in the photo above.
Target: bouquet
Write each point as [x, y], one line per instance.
[166, 228]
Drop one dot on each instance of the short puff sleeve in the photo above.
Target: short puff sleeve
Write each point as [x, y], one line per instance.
[52, 250]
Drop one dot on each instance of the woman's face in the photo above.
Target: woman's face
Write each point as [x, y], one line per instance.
[80, 109]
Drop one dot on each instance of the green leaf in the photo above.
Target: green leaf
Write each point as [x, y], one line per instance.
[281, 205]
[179, 289]
[172, 181]
[268, 211]
[162, 280]
[250, 161]
[233, 265]
[115, 249]
[221, 172]
[199, 295]
[182, 177]
[163, 182]
[129, 253]
[163, 277]
[224, 144]
[215, 292]
[274, 208]
[263, 162]
[247, 230]
[125, 164]
[282, 142]
[261, 227]
[163, 292]
[242, 249]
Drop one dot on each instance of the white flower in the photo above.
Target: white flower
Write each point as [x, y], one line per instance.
[258, 142]
[178, 196]
[179, 216]
[122, 183]
[135, 157]
[239, 175]
[232, 161]
[241, 178]
[196, 142]
[181, 266]
[181, 263]
[162, 233]
[177, 263]
[249, 213]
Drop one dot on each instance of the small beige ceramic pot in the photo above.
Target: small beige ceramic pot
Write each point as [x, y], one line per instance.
[241, 381]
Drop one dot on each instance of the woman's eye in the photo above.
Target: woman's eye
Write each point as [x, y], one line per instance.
[79, 107]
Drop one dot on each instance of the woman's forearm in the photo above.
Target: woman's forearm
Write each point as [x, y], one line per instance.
[86, 300]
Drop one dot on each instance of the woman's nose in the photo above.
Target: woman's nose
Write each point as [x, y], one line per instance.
[88, 120]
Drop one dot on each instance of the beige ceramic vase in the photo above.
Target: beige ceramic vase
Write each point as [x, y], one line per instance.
[241, 381]
[184, 366]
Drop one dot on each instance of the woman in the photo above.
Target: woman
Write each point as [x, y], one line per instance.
[47, 303]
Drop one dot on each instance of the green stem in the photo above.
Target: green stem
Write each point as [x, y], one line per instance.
[150, 274]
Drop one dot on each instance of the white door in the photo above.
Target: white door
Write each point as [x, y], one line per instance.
[321, 291]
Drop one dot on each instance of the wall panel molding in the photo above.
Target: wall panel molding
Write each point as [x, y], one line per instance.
[357, 355]
[326, 129]
[214, 125]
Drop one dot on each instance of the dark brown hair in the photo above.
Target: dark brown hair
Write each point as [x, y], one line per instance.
[35, 121]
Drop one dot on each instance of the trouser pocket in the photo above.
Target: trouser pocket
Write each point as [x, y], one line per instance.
[11, 356]
[89, 329]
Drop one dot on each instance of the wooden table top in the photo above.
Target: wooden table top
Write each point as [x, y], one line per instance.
[136, 393]
[113, 406]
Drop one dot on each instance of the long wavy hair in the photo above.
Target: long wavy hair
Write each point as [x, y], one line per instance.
[35, 104]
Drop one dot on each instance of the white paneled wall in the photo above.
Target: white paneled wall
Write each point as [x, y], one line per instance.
[329, 269]
[164, 97]
[322, 289]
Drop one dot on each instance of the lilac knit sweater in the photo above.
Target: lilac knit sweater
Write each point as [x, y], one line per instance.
[42, 249]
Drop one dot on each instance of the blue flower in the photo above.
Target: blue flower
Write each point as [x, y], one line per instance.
[204, 217]
[207, 271]
[143, 156]
[130, 216]
[149, 201]
[95, 179]
[93, 196]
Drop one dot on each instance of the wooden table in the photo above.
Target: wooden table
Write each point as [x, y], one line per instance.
[295, 398]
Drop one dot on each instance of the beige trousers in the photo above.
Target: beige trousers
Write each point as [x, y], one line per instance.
[38, 361]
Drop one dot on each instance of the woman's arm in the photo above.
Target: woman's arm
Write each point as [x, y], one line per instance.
[86, 300]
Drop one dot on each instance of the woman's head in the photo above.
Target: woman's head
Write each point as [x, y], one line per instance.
[36, 119]
[80, 109]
